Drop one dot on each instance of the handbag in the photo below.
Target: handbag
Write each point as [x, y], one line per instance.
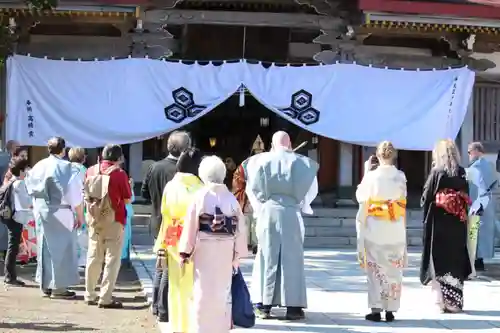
[242, 307]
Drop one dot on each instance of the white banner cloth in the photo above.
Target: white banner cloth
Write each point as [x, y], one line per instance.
[130, 100]
[365, 105]
[93, 103]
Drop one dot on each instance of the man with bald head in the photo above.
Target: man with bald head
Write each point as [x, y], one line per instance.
[280, 184]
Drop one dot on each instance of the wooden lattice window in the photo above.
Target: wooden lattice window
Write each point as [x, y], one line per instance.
[487, 113]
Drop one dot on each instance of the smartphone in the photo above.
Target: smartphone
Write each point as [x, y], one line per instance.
[374, 162]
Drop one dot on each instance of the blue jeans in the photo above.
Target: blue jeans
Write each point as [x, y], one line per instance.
[160, 294]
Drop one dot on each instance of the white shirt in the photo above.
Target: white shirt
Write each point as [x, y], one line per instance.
[22, 202]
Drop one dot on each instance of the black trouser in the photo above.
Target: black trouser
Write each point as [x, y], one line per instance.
[160, 294]
[14, 232]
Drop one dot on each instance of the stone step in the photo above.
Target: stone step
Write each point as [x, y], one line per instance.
[333, 242]
[347, 213]
[350, 232]
[346, 222]
[140, 219]
[319, 213]
[326, 228]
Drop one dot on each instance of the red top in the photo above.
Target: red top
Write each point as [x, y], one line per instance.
[472, 8]
[118, 190]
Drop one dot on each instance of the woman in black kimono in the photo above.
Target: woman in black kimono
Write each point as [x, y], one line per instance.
[445, 259]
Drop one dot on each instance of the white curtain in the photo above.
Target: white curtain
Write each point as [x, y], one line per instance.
[365, 105]
[124, 101]
[94, 103]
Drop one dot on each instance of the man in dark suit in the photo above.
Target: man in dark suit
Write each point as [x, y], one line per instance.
[158, 175]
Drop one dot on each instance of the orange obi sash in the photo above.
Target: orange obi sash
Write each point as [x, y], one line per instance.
[173, 234]
[391, 210]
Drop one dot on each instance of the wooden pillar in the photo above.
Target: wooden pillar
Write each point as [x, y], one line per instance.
[345, 164]
[357, 164]
[329, 152]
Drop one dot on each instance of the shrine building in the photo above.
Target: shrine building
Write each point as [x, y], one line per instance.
[383, 33]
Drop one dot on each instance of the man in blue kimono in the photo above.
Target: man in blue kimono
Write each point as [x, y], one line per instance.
[481, 189]
[57, 192]
[280, 183]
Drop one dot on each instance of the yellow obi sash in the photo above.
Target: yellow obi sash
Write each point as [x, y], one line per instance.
[390, 210]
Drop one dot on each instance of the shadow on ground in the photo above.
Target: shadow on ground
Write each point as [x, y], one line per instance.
[46, 327]
[24, 310]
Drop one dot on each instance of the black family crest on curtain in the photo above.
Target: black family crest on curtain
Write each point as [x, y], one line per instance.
[183, 106]
[301, 108]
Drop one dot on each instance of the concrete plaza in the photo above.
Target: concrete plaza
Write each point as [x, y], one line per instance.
[338, 301]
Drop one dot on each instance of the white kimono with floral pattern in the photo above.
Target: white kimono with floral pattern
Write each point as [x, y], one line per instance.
[382, 240]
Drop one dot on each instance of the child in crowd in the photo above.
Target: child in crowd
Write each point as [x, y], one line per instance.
[127, 233]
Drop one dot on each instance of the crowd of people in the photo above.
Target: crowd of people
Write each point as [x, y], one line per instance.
[458, 215]
[202, 233]
[56, 205]
[203, 228]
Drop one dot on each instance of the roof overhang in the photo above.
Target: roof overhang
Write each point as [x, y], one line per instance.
[483, 9]
[431, 22]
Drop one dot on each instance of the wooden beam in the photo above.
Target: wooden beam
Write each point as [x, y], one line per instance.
[371, 57]
[181, 17]
[63, 20]
[430, 8]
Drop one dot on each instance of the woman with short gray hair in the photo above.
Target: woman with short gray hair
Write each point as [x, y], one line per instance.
[212, 170]
[215, 227]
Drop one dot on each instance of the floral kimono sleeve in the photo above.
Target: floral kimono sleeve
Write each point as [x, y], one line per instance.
[362, 196]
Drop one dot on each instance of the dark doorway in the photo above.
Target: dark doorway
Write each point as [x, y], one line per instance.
[231, 130]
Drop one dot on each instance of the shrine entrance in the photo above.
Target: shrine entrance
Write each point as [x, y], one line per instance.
[231, 131]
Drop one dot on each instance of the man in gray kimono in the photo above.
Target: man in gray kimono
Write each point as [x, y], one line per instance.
[280, 183]
[57, 193]
[481, 189]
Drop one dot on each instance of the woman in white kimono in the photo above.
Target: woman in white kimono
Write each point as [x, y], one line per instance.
[214, 239]
[381, 229]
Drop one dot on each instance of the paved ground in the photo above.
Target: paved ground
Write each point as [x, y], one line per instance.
[337, 298]
[336, 294]
[23, 310]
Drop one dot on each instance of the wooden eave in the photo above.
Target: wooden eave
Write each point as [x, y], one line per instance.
[254, 6]
[469, 9]
[430, 23]
[71, 11]
[70, 8]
